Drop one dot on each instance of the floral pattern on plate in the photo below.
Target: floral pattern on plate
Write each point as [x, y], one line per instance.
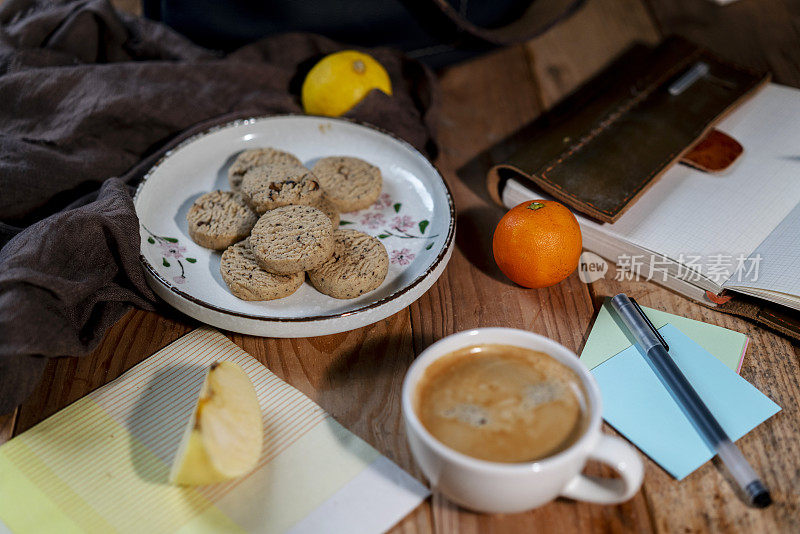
[387, 218]
[170, 248]
[413, 218]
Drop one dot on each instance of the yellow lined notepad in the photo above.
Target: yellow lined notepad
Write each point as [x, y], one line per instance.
[101, 464]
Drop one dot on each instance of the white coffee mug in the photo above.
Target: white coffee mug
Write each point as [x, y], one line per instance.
[515, 487]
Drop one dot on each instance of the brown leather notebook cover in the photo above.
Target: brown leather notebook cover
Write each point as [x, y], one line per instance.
[601, 155]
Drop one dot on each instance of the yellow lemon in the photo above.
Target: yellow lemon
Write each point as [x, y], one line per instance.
[340, 81]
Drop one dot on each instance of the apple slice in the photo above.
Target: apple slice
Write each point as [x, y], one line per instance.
[223, 437]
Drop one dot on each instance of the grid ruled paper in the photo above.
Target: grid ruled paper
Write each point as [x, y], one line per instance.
[713, 222]
[779, 265]
[688, 212]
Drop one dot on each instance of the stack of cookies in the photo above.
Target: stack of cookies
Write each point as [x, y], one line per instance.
[280, 221]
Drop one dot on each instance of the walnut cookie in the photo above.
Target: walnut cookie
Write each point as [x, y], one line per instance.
[272, 186]
[350, 184]
[291, 239]
[248, 281]
[358, 265]
[256, 157]
[219, 219]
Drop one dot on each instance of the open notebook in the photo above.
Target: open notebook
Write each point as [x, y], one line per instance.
[696, 232]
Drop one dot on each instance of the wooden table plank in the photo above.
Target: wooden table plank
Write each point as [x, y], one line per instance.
[356, 376]
[580, 47]
[706, 501]
[135, 337]
[484, 101]
[760, 34]
[7, 423]
[563, 59]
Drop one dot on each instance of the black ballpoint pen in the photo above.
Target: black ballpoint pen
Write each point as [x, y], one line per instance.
[655, 351]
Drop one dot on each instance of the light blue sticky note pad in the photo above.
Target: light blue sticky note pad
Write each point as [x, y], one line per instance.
[641, 408]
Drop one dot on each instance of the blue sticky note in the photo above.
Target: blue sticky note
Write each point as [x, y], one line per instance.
[639, 406]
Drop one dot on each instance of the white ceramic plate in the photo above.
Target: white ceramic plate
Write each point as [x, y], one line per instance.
[414, 218]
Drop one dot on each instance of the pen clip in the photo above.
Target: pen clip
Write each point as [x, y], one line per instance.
[649, 323]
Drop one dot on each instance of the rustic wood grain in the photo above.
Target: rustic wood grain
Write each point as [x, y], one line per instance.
[484, 101]
[760, 34]
[480, 107]
[7, 423]
[707, 501]
[356, 376]
[135, 337]
[572, 52]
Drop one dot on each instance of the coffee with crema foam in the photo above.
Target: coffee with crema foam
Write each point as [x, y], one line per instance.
[502, 403]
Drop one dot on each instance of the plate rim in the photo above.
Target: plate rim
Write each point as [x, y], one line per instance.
[377, 304]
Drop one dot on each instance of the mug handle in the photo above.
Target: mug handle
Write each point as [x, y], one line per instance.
[621, 457]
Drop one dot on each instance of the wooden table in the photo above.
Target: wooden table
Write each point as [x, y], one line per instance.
[356, 376]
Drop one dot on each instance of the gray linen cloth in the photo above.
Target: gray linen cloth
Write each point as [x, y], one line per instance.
[89, 99]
